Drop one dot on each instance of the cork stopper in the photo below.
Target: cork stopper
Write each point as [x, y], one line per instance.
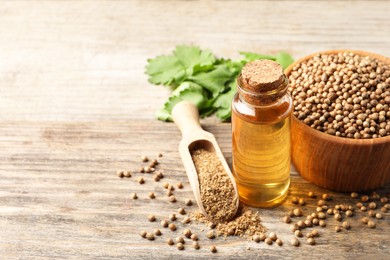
[262, 76]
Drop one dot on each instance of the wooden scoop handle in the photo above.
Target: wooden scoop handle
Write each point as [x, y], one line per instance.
[186, 116]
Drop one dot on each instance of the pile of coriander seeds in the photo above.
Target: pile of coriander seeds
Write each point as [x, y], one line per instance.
[343, 94]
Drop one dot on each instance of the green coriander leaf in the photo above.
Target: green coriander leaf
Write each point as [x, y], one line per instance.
[224, 101]
[194, 59]
[215, 80]
[166, 70]
[163, 115]
[250, 56]
[284, 59]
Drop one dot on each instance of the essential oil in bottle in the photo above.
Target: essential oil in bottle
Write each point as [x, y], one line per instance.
[261, 134]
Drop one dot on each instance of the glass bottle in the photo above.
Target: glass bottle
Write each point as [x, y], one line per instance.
[261, 134]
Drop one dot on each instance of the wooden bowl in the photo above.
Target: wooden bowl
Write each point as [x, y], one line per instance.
[338, 163]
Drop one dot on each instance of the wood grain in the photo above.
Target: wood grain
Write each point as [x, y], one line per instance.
[75, 106]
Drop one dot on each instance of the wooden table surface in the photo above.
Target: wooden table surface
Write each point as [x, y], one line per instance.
[75, 106]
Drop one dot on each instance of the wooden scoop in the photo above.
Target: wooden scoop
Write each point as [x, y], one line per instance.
[186, 117]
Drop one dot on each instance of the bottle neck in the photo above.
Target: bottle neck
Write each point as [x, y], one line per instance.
[258, 97]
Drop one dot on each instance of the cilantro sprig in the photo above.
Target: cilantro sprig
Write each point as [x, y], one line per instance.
[198, 76]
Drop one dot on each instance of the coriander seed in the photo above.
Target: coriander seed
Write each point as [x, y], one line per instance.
[298, 233]
[180, 185]
[308, 223]
[365, 220]
[315, 233]
[170, 241]
[147, 169]
[188, 202]
[311, 194]
[295, 241]
[180, 240]
[134, 196]
[301, 224]
[384, 210]
[210, 234]
[170, 187]
[127, 174]
[337, 228]
[321, 215]
[262, 236]
[144, 158]
[384, 200]
[157, 232]
[180, 246]
[337, 217]
[159, 155]
[354, 195]
[194, 237]
[151, 195]
[120, 174]
[371, 224]
[151, 218]
[169, 193]
[297, 212]
[294, 200]
[349, 213]
[165, 185]
[322, 223]
[195, 245]
[364, 198]
[187, 233]
[311, 241]
[160, 174]
[164, 223]
[279, 242]
[268, 241]
[326, 196]
[378, 215]
[213, 249]
[172, 217]
[346, 225]
[141, 170]
[371, 213]
[172, 199]
[256, 238]
[141, 180]
[181, 211]
[301, 201]
[186, 220]
[172, 226]
[273, 236]
[315, 221]
[143, 233]
[287, 219]
[156, 178]
[231, 231]
[372, 205]
[363, 208]
[321, 203]
[149, 236]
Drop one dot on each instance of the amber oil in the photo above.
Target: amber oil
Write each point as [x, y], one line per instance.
[261, 142]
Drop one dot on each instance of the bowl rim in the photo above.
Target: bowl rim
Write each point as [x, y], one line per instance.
[332, 138]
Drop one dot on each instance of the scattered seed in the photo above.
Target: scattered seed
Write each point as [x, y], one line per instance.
[294, 227]
[301, 224]
[120, 174]
[314, 215]
[157, 232]
[141, 180]
[170, 241]
[329, 211]
[322, 223]
[194, 237]
[170, 187]
[371, 213]
[143, 233]
[181, 211]
[337, 228]
[287, 219]
[172, 226]
[311, 241]
[160, 174]
[354, 195]
[154, 162]
[309, 235]
[384, 210]
[188, 202]
[311, 194]
[156, 178]
[343, 207]
[268, 241]
[144, 158]
[291, 213]
[321, 215]
[180, 185]
[273, 236]
[326, 196]
[172, 199]
[187, 233]
[371, 224]
[384, 200]
[308, 223]
[172, 217]
[213, 249]
[134, 196]
[165, 185]
[147, 169]
[169, 193]
[211, 225]
[141, 169]
[378, 215]
[364, 198]
[159, 155]
[298, 233]
[295, 241]
[297, 212]
[319, 209]
[180, 240]
[164, 223]
[337, 217]
[151, 195]
[359, 205]
[372, 205]
[256, 238]
[231, 231]
[186, 220]
[346, 225]
[387, 206]
[302, 201]
[315, 221]
[279, 242]
[180, 246]
[321, 202]
[363, 208]
[195, 244]
[294, 200]
[315, 233]
[149, 236]
[262, 236]
[375, 195]
[151, 218]
[349, 213]
[127, 174]
[210, 234]
[365, 220]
